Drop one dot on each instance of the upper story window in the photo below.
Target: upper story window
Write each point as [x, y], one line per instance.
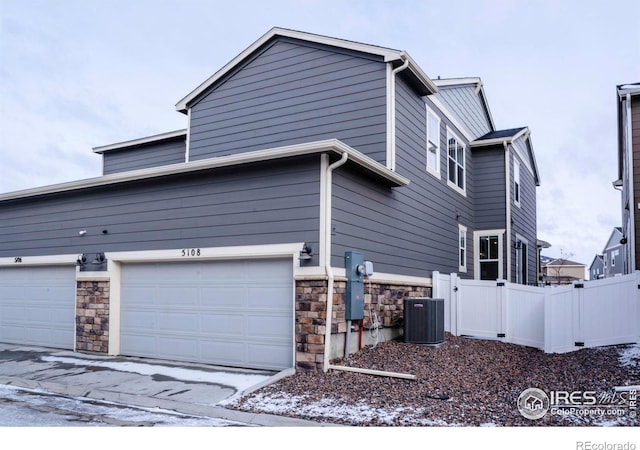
[433, 143]
[456, 160]
[516, 182]
[462, 246]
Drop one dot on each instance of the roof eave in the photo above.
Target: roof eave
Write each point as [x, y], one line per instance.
[331, 145]
[140, 141]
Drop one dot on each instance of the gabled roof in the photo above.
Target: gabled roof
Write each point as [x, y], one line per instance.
[476, 82]
[614, 239]
[596, 259]
[553, 262]
[510, 136]
[423, 83]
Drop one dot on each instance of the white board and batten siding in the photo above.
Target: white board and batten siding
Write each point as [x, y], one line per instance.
[233, 313]
[37, 306]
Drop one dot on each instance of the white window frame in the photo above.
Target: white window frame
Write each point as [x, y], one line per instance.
[517, 186]
[477, 235]
[454, 184]
[431, 146]
[526, 259]
[462, 248]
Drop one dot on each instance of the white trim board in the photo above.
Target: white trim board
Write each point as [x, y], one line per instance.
[48, 260]
[141, 141]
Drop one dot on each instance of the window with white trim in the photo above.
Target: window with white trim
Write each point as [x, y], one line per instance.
[455, 159]
[462, 248]
[516, 182]
[433, 143]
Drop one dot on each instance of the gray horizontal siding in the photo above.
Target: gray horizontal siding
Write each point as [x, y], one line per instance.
[490, 195]
[411, 230]
[264, 203]
[289, 94]
[466, 105]
[144, 157]
[523, 217]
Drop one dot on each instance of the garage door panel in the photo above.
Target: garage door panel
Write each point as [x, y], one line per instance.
[230, 297]
[176, 322]
[37, 305]
[224, 352]
[222, 325]
[210, 311]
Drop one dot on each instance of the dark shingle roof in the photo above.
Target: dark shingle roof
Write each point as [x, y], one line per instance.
[499, 134]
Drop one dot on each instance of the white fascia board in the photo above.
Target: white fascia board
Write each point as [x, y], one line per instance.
[386, 53]
[632, 89]
[49, 260]
[330, 145]
[316, 272]
[208, 254]
[140, 141]
[419, 73]
[457, 81]
[443, 109]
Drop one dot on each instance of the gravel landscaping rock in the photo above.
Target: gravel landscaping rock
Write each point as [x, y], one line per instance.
[464, 382]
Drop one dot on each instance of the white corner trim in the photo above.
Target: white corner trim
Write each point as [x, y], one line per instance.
[140, 141]
[187, 146]
[49, 260]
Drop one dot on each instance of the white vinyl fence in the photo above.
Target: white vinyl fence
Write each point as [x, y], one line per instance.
[554, 319]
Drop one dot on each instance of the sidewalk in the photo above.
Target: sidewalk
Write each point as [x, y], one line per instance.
[186, 388]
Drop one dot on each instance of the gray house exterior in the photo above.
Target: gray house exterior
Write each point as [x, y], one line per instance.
[596, 269]
[614, 254]
[222, 242]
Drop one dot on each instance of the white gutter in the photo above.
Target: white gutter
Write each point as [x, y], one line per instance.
[507, 172]
[391, 113]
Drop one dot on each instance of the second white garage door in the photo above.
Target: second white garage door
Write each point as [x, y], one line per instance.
[232, 313]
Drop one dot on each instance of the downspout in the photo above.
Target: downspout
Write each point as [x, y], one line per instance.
[330, 282]
[187, 143]
[507, 171]
[391, 115]
[327, 258]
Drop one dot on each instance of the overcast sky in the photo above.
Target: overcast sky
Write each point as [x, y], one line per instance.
[79, 74]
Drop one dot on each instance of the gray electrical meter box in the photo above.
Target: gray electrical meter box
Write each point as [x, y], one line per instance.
[354, 296]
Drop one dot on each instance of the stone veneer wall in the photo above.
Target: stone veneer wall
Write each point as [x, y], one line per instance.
[92, 316]
[385, 299]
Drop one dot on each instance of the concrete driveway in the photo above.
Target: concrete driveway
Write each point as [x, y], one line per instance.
[182, 387]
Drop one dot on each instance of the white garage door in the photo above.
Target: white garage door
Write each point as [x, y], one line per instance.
[37, 306]
[232, 313]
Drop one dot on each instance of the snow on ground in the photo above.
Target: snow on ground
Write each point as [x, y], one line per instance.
[630, 356]
[45, 409]
[361, 412]
[237, 380]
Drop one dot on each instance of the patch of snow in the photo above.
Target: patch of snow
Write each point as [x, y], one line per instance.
[239, 381]
[359, 413]
[630, 356]
[488, 424]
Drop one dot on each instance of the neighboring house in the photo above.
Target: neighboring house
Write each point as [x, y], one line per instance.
[596, 269]
[628, 181]
[561, 270]
[220, 243]
[613, 255]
